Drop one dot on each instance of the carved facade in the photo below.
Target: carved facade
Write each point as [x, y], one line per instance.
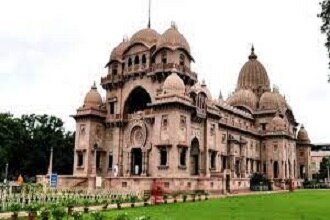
[158, 121]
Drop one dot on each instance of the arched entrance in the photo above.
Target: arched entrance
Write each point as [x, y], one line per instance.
[137, 100]
[194, 157]
[275, 169]
[136, 161]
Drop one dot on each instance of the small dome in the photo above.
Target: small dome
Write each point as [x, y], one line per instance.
[271, 100]
[174, 84]
[93, 98]
[253, 75]
[302, 134]
[117, 52]
[146, 36]
[173, 39]
[243, 97]
[278, 124]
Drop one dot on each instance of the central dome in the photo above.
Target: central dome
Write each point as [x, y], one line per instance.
[146, 36]
[173, 39]
[253, 75]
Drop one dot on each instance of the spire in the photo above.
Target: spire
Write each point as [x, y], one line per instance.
[203, 83]
[149, 22]
[252, 55]
[220, 96]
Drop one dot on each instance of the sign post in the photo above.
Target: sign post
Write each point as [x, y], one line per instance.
[53, 180]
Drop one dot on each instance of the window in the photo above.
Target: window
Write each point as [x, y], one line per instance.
[164, 122]
[80, 159]
[163, 156]
[144, 59]
[136, 60]
[182, 121]
[110, 161]
[263, 126]
[98, 159]
[183, 153]
[301, 153]
[265, 168]
[212, 130]
[275, 147]
[182, 58]
[114, 69]
[164, 57]
[224, 163]
[213, 159]
[129, 62]
[112, 108]
[223, 139]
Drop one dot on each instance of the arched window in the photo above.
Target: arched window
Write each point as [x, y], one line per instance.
[164, 57]
[181, 59]
[144, 59]
[136, 60]
[114, 69]
[129, 62]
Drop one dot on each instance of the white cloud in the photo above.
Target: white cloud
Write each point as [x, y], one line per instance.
[52, 51]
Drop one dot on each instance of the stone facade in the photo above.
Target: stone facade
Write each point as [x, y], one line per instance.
[158, 122]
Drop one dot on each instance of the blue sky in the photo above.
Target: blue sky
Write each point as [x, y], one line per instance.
[52, 51]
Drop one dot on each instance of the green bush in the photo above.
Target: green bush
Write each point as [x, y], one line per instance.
[77, 216]
[123, 216]
[58, 212]
[97, 216]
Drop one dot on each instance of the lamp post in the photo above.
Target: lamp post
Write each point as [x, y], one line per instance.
[50, 167]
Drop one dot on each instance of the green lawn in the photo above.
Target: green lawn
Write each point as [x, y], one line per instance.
[312, 204]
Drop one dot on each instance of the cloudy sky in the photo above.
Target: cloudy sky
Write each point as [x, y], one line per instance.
[52, 51]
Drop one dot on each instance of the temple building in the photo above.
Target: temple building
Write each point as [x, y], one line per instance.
[158, 121]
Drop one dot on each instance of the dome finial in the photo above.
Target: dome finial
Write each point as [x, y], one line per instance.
[149, 19]
[252, 55]
[173, 25]
[94, 85]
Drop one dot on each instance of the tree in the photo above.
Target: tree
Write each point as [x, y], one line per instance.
[325, 28]
[26, 142]
[324, 166]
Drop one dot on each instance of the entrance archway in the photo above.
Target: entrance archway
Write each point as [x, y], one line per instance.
[136, 161]
[194, 157]
[137, 100]
[275, 169]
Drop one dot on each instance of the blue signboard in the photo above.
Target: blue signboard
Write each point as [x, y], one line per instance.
[53, 180]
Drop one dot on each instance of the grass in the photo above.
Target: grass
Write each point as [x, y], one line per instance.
[304, 204]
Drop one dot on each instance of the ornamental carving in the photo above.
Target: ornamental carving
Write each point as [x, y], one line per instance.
[136, 134]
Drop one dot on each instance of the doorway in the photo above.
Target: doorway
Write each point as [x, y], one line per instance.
[136, 162]
[194, 157]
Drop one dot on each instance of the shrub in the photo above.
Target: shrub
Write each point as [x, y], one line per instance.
[184, 197]
[58, 212]
[97, 216]
[77, 216]
[258, 182]
[123, 216]
[44, 213]
[133, 200]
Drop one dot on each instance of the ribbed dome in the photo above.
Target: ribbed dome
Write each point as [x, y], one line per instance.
[253, 75]
[93, 98]
[147, 36]
[302, 134]
[271, 100]
[173, 84]
[117, 52]
[243, 97]
[278, 124]
[173, 39]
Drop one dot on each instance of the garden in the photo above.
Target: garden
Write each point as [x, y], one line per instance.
[31, 203]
